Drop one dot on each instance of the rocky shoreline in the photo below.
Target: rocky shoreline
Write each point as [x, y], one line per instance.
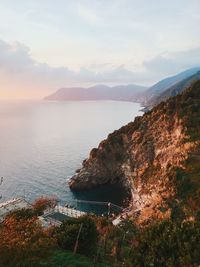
[145, 157]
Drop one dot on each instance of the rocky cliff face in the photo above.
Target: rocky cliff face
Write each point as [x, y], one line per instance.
[156, 158]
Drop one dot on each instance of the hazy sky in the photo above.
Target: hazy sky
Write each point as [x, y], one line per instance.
[47, 44]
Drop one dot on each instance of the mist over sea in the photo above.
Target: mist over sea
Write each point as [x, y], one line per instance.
[43, 143]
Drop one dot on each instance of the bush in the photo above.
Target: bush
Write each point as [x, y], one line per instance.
[25, 214]
[168, 244]
[23, 242]
[43, 203]
[67, 233]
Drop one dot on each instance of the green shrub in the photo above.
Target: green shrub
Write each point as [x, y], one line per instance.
[168, 244]
[67, 233]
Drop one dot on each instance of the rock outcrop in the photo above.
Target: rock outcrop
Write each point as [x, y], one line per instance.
[156, 158]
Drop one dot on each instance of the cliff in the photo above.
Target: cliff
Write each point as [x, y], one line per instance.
[156, 158]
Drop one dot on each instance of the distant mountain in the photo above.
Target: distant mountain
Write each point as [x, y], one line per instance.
[98, 92]
[133, 93]
[164, 84]
[174, 90]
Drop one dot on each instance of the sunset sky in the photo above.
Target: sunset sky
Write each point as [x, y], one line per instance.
[48, 44]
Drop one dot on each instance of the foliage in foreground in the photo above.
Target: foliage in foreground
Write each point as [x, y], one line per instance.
[24, 243]
[66, 258]
[168, 244]
[43, 203]
[67, 234]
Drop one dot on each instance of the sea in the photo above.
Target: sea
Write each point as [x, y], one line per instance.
[42, 144]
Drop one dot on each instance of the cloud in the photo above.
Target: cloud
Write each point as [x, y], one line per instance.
[20, 73]
[172, 62]
[16, 62]
[14, 58]
[18, 70]
[115, 74]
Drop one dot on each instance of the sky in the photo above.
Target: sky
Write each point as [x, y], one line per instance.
[48, 44]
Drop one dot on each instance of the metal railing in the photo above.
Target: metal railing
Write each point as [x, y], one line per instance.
[69, 211]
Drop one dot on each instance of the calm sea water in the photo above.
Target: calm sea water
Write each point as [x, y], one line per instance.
[43, 143]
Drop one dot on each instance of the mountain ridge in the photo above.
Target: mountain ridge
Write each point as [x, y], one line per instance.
[166, 83]
[98, 92]
[173, 90]
[131, 92]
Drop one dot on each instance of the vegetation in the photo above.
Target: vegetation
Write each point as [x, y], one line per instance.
[61, 258]
[44, 203]
[172, 243]
[95, 241]
[68, 233]
[168, 244]
[186, 177]
[23, 241]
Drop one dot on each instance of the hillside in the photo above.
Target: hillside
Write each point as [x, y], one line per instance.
[156, 158]
[173, 90]
[166, 83]
[98, 92]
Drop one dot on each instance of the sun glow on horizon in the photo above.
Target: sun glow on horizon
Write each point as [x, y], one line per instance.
[46, 45]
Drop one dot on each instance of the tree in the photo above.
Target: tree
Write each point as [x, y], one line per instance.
[24, 213]
[43, 203]
[168, 244]
[23, 242]
[67, 233]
